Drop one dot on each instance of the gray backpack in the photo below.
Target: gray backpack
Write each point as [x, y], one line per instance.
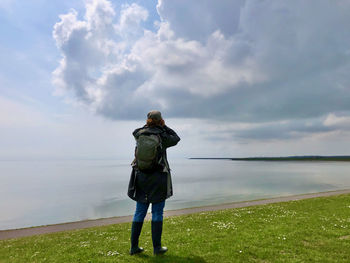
[147, 151]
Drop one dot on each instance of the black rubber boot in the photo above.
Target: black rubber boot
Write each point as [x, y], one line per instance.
[157, 227]
[135, 233]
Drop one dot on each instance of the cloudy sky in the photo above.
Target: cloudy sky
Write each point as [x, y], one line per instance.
[233, 78]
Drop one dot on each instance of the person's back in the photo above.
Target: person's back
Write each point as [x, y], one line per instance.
[150, 180]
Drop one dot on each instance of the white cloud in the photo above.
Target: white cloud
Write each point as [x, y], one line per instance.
[282, 64]
[99, 15]
[337, 121]
[146, 71]
[129, 23]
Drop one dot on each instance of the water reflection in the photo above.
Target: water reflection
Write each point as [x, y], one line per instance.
[48, 192]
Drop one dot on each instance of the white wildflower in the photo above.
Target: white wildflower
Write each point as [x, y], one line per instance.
[223, 225]
[84, 244]
[112, 253]
[35, 254]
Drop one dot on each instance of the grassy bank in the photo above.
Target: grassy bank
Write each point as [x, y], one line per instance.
[313, 230]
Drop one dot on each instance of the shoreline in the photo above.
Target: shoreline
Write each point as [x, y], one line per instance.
[315, 158]
[38, 230]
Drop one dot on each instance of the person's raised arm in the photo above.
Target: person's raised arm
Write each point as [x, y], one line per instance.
[169, 137]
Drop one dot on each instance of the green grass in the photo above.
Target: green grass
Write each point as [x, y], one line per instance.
[313, 230]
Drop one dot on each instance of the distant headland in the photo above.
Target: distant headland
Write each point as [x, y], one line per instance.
[342, 158]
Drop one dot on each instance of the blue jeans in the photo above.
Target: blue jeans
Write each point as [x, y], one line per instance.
[141, 211]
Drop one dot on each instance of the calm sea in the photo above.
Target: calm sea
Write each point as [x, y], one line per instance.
[34, 193]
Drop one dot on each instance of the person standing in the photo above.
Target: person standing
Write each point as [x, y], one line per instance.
[150, 180]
